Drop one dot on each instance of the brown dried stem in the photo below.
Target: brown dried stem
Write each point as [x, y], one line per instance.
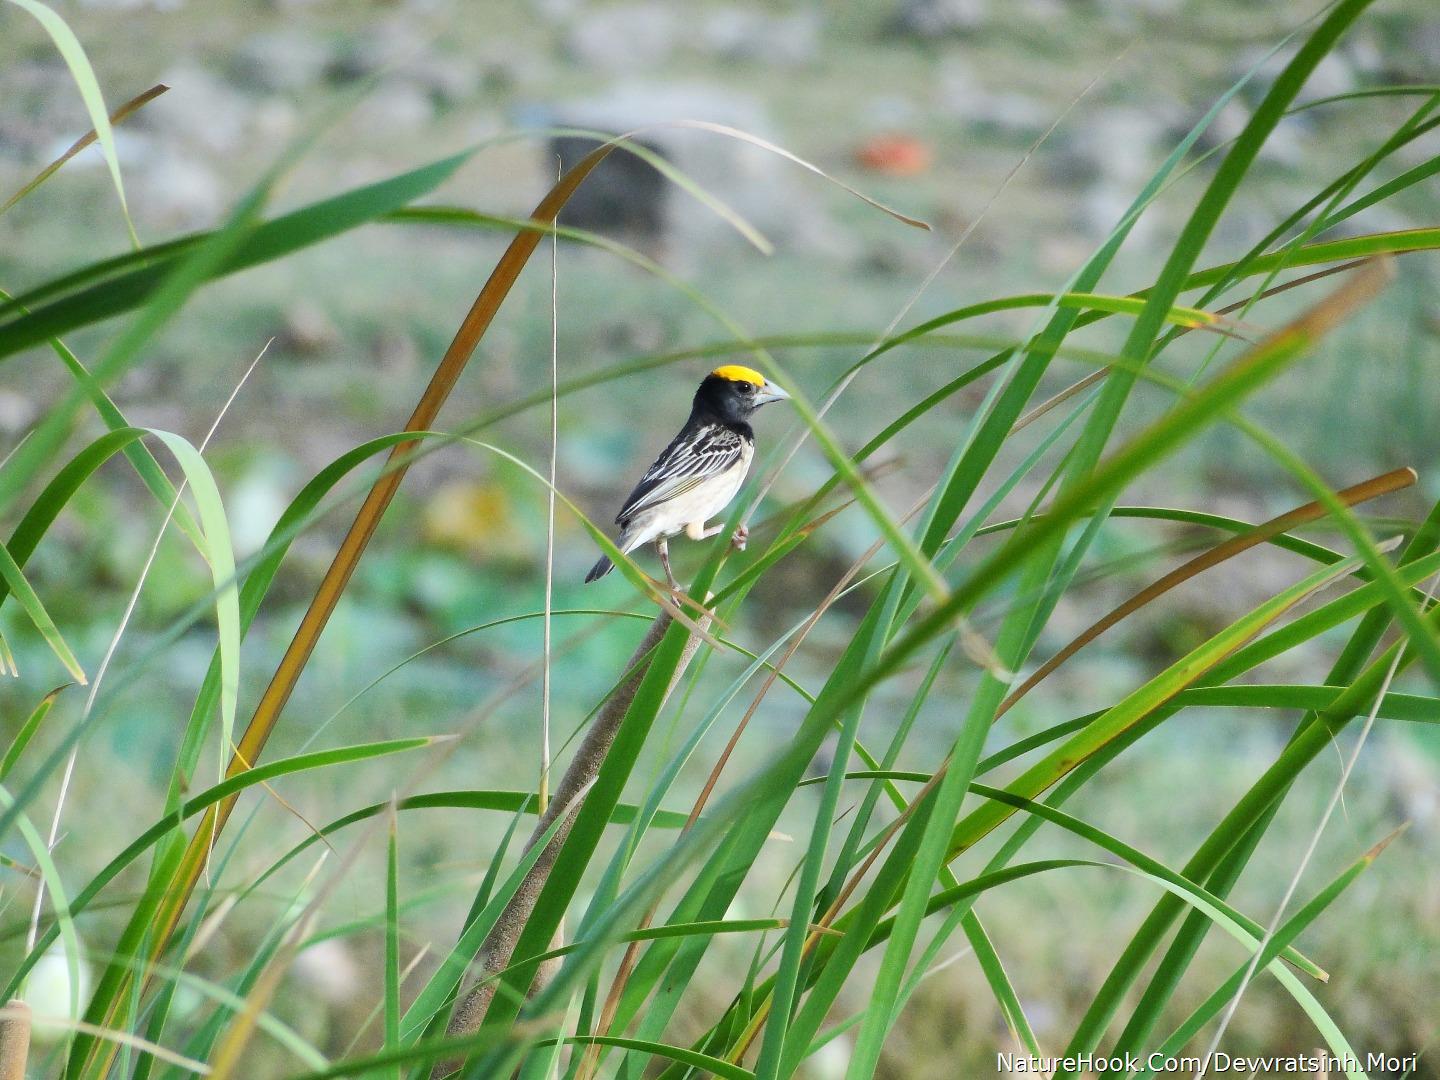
[14, 1040]
[499, 946]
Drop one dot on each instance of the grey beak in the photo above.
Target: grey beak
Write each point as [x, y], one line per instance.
[770, 393]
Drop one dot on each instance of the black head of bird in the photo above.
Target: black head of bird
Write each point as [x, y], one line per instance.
[731, 394]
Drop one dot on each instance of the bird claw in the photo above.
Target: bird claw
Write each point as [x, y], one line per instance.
[740, 538]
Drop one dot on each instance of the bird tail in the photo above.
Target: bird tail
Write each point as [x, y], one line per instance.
[627, 541]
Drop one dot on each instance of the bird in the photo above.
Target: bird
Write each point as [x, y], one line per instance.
[697, 475]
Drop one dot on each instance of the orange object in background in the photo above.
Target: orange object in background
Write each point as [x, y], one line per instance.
[894, 155]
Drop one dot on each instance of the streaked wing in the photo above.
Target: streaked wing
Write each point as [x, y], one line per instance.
[692, 458]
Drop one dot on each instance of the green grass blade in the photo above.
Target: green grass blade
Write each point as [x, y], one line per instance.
[262, 243]
[1142, 703]
[139, 456]
[30, 601]
[197, 804]
[27, 732]
[75, 59]
[1308, 913]
[220, 555]
[64, 927]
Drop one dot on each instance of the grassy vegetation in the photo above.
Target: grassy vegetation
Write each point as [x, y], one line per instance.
[741, 912]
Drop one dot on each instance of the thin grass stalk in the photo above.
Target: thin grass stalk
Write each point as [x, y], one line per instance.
[543, 789]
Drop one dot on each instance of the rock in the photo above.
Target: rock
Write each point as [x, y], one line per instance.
[280, 60]
[928, 19]
[625, 196]
[329, 969]
[48, 992]
[1006, 114]
[179, 191]
[757, 184]
[255, 503]
[307, 331]
[17, 412]
[395, 107]
[747, 35]
[133, 5]
[624, 37]
[199, 108]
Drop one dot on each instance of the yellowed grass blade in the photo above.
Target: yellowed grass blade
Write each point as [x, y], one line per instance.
[1394, 480]
[131, 106]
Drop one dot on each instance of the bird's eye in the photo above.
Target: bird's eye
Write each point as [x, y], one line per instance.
[747, 388]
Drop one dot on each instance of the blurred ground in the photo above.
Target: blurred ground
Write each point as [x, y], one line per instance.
[927, 106]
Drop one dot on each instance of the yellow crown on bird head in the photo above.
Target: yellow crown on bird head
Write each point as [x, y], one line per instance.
[737, 373]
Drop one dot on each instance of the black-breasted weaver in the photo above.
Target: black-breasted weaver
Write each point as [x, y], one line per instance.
[697, 475]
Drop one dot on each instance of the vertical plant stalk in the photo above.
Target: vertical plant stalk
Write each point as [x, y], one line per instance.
[499, 946]
[160, 920]
[543, 791]
[14, 1039]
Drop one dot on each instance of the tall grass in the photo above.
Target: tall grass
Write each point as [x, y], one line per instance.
[889, 869]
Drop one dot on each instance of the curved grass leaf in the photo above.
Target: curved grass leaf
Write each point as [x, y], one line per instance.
[220, 554]
[138, 454]
[64, 910]
[139, 101]
[75, 59]
[227, 788]
[34, 609]
[1274, 944]
[27, 732]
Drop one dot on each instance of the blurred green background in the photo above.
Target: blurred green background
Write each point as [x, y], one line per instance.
[928, 106]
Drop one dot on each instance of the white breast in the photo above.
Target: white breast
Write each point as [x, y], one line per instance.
[695, 507]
